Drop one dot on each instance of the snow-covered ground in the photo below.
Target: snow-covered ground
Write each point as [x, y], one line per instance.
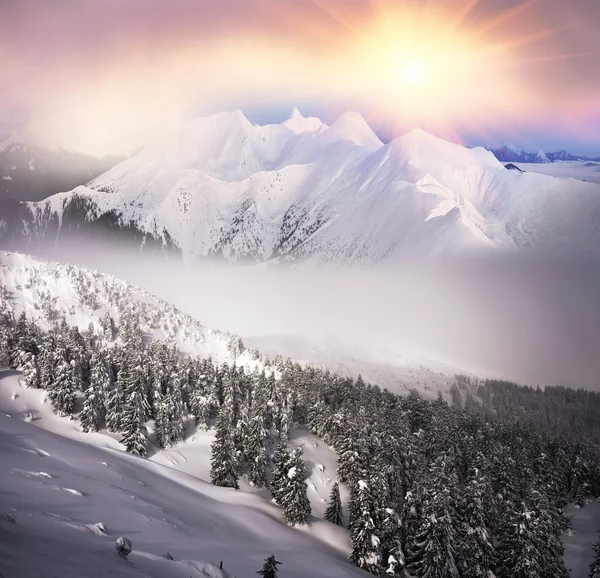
[578, 545]
[59, 484]
[582, 170]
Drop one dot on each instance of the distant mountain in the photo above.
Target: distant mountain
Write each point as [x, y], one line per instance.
[32, 172]
[509, 153]
[301, 190]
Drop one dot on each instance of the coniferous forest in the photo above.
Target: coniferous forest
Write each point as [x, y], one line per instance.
[472, 488]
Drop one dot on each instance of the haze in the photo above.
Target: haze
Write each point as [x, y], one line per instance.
[532, 317]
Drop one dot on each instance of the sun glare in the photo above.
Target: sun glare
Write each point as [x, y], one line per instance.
[412, 74]
[430, 66]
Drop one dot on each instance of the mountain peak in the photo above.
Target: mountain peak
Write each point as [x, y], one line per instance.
[512, 148]
[295, 114]
[353, 127]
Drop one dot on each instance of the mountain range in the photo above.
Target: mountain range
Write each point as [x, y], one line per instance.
[509, 153]
[222, 187]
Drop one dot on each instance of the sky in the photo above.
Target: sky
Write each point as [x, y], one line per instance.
[104, 76]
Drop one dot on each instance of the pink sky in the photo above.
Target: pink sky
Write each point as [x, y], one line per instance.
[97, 74]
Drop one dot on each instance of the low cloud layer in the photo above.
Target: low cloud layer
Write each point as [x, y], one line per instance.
[531, 318]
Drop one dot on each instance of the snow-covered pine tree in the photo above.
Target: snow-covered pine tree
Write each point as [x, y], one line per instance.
[100, 374]
[224, 466]
[294, 498]
[240, 435]
[198, 396]
[27, 363]
[61, 390]
[595, 565]
[91, 416]
[269, 569]
[352, 455]
[281, 466]
[23, 338]
[393, 562]
[366, 541]
[135, 434]
[432, 549]
[114, 408]
[256, 453]
[530, 545]
[476, 552]
[169, 413]
[333, 513]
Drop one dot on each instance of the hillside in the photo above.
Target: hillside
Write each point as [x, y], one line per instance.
[59, 484]
[48, 291]
[271, 440]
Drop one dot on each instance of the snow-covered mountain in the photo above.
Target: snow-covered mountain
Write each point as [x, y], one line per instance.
[510, 153]
[32, 172]
[221, 186]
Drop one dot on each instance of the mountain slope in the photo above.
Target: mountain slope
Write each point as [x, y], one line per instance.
[223, 187]
[48, 291]
[65, 502]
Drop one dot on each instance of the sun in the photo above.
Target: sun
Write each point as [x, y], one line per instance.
[412, 74]
[441, 65]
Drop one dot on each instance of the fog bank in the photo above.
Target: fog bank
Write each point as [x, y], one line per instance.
[528, 317]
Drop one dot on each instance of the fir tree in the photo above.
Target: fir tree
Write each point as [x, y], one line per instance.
[27, 363]
[4, 341]
[476, 552]
[366, 542]
[432, 548]
[114, 408]
[93, 411]
[134, 428]
[530, 544]
[333, 513]
[61, 391]
[393, 562]
[281, 467]
[224, 465]
[169, 413]
[256, 454]
[269, 569]
[294, 498]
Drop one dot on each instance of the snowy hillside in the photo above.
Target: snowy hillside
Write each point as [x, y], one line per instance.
[221, 186]
[49, 291]
[271, 443]
[67, 496]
